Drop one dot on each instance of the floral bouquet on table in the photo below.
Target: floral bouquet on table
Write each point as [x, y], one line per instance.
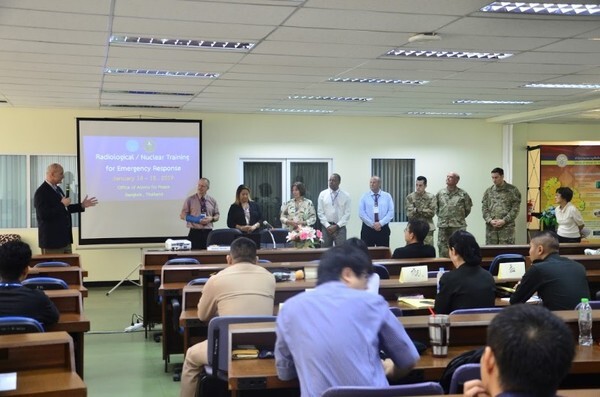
[305, 237]
[548, 219]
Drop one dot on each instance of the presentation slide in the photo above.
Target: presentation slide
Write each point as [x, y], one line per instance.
[140, 171]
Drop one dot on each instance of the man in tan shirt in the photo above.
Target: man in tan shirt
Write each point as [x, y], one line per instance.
[241, 289]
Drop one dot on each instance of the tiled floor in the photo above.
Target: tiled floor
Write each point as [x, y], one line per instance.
[118, 363]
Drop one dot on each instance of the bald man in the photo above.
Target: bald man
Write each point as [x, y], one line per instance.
[453, 207]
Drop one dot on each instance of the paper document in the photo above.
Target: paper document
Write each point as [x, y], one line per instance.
[418, 303]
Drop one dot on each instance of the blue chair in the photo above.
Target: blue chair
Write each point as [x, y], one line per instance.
[264, 261]
[19, 325]
[44, 283]
[502, 258]
[52, 264]
[477, 310]
[279, 235]
[222, 236]
[383, 272]
[415, 389]
[462, 374]
[198, 281]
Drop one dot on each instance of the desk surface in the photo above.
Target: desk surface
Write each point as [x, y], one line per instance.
[42, 383]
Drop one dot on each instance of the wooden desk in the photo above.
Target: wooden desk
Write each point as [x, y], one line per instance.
[71, 320]
[523, 249]
[44, 363]
[71, 275]
[71, 259]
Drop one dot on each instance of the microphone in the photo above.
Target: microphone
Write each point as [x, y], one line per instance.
[68, 191]
[267, 224]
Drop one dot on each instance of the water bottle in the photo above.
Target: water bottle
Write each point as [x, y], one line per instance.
[439, 275]
[585, 323]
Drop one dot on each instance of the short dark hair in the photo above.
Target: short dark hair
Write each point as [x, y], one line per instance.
[419, 228]
[358, 243]
[498, 171]
[14, 258]
[243, 249]
[566, 193]
[301, 188]
[337, 258]
[533, 349]
[466, 246]
[337, 176]
[548, 239]
[422, 178]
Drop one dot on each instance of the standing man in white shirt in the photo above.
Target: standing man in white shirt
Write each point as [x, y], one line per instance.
[333, 209]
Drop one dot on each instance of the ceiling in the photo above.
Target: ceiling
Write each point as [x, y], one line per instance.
[54, 54]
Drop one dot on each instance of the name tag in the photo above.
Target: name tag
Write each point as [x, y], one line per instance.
[413, 274]
[511, 270]
[310, 273]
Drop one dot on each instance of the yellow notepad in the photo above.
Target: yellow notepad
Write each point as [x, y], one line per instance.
[240, 354]
[418, 303]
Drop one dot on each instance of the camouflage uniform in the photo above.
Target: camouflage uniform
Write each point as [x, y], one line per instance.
[500, 202]
[423, 207]
[453, 207]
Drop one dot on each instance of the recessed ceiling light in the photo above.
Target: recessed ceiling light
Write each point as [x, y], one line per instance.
[563, 85]
[483, 56]
[376, 81]
[167, 73]
[542, 8]
[148, 92]
[439, 113]
[296, 110]
[182, 43]
[489, 102]
[331, 98]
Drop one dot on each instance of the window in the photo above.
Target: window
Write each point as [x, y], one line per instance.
[13, 191]
[397, 178]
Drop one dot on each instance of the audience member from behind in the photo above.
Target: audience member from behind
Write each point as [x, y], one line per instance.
[529, 352]
[422, 205]
[560, 282]
[332, 335]
[568, 217]
[468, 285]
[245, 214]
[16, 300]
[241, 289]
[414, 235]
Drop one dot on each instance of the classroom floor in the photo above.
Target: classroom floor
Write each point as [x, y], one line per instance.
[118, 363]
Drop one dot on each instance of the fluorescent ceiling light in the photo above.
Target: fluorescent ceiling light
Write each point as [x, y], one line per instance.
[376, 81]
[563, 85]
[439, 113]
[542, 8]
[147, 92]
[483, 56]
[166, 73]
[141, 106]
[296, 110]
[489, 102]
[331, 98]
[182, 43]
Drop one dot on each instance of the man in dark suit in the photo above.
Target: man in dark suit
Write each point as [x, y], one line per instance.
[53, 212]
[414, 235]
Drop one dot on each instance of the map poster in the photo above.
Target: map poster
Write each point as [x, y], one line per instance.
[577, 167]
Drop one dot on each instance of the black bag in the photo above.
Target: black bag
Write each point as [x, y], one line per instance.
[468, 357]
[211, 386]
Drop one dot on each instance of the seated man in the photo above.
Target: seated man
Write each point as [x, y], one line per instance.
[414, 235]
[332, 336]
[242, 289]
[16, 300]
[559, 282]
[529, 351]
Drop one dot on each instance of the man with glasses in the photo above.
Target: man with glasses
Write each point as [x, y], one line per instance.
[200, 211]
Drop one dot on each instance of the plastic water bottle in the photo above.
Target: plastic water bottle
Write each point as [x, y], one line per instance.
[439, 275]
[585, 323]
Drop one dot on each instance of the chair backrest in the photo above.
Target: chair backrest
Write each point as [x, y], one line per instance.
[504, 258]
[264, 261]
[382, 271]
[52, 264]
[19, 325]
[222, 236]
[478, 310]
[462, 374]
[218, 341]
[182, 261]
[198, 281]
[280, 236]
[396, 311]
[45, 283]
[414, 389]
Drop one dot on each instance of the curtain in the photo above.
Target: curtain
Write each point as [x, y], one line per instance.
[397, 178]
[13, 191]
[264, 181]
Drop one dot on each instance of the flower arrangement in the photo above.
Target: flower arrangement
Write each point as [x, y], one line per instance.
[548, 219]
[305, 237]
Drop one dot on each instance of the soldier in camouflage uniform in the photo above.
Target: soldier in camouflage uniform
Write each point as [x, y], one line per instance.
[453, 207]
[500, 207]
[421, 205]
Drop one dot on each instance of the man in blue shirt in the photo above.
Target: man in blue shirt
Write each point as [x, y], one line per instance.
[376, 210]
[529, 351]
[332, 336]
